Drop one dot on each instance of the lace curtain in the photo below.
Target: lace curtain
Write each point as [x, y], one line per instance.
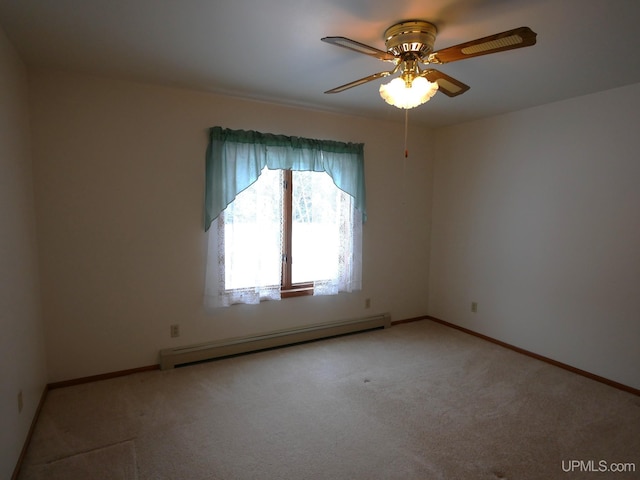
[245, 246]
[232, 161]
[331, 240]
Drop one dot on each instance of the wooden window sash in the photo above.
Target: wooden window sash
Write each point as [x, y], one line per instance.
[287, 288]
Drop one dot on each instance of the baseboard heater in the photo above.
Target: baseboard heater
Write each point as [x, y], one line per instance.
[170, 357]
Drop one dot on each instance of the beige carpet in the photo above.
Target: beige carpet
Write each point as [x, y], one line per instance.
[416, 401]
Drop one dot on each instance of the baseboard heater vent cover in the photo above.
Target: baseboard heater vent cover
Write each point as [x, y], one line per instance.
[170, 357]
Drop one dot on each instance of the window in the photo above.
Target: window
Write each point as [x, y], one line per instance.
[317, 222]
[290, 232]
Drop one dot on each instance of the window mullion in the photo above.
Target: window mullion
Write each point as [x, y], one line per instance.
[287, 185]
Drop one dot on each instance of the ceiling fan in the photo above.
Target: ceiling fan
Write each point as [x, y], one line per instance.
[410, 47]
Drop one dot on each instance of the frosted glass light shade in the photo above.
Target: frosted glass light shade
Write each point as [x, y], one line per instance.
[397, 93]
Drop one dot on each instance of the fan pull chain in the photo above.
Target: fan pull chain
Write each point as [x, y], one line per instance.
[406, 122]
[404, 161]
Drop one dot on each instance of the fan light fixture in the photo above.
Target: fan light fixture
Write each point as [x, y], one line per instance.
[410, 46]
[408, 94]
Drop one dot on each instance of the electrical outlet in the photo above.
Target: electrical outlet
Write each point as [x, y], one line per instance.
[474, 307]
[20, 401]
[367, 303]
[175, 330]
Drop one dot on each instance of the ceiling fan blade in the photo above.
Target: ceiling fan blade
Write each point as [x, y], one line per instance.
[516, 38]
[446, 84]
[359, 47]
[362, 81]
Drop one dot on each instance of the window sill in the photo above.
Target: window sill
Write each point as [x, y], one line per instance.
[297, 291]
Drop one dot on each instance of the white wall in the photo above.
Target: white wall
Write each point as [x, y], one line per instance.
[21, 342]
[119, 175]
[536, 217]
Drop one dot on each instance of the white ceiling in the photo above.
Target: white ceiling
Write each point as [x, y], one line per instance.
[271, 49]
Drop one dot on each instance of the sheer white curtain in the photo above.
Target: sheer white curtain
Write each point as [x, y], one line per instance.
[245, 246]
[327, 235]
[245, 243]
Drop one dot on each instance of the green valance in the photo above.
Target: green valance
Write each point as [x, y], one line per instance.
[235, 159]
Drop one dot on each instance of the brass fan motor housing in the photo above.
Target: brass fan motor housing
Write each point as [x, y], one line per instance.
[414, 36]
